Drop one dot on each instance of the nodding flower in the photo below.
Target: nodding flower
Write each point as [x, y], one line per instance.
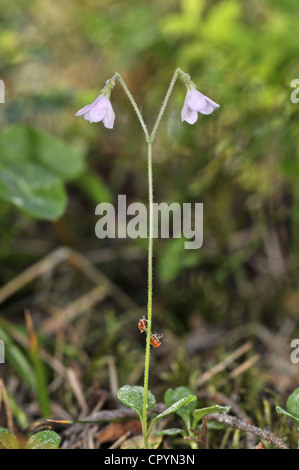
[99, 110]
[195, 102]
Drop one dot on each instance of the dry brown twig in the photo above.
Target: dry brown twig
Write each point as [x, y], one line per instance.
[223, 364]
[78, 261]
[244, 366]
[236, 423]
[120, 441]
[62, 316]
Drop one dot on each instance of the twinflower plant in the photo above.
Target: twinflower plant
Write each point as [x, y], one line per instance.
[140, 398]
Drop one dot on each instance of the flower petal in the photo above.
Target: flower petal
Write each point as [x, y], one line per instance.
[192, 116]
[184, 111]
[215, 105]
[99, 110]
[83, 110]
[109, 117]
[96, 114]
[208, 109]
[188, 114]
[196, 101]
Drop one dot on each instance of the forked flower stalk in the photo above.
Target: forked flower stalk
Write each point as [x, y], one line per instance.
[101, 110]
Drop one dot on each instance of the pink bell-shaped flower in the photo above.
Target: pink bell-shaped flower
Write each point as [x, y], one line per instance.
[195, 102]
[99, 110]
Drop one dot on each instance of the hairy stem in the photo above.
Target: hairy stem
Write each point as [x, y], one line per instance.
[133, 103]
[185, 77]
[149, 139]
[149, 292]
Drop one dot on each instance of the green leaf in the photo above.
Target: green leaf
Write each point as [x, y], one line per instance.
[20, 143]
[293, 403]
[33, 168]
[289, 415]
[170, 432]
[133, 397]
[214, 426]
[172, 397]
[198, 414]
[32, 189]
[8, 439]
[44, 440]
[176, 406]
[183, 402]
[211, 409]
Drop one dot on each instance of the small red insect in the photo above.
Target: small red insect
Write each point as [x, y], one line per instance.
[142, 325]
[155, 340]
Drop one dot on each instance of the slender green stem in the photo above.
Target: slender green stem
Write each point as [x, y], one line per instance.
[187, 81]
[149, 293]
[133, 103]
[149, 139]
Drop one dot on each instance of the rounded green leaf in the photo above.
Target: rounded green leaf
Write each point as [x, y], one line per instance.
[289, 415]
[44, 440]
[32, 189]
[183, 402]
[174, 408]
[8, 439]
[20, 143]
[293, 403]
[33, 169]
[133, 397]
[171, 397]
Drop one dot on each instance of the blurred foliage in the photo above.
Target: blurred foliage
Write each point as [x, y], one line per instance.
[242, 162]
[33, 168]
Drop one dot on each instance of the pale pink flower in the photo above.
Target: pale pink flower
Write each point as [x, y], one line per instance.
[195, 102]
[99, 110]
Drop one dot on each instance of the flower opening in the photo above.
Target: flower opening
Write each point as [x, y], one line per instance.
[99, 110]
[195, 102]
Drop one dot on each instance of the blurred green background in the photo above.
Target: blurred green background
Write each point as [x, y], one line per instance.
[242, 162]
